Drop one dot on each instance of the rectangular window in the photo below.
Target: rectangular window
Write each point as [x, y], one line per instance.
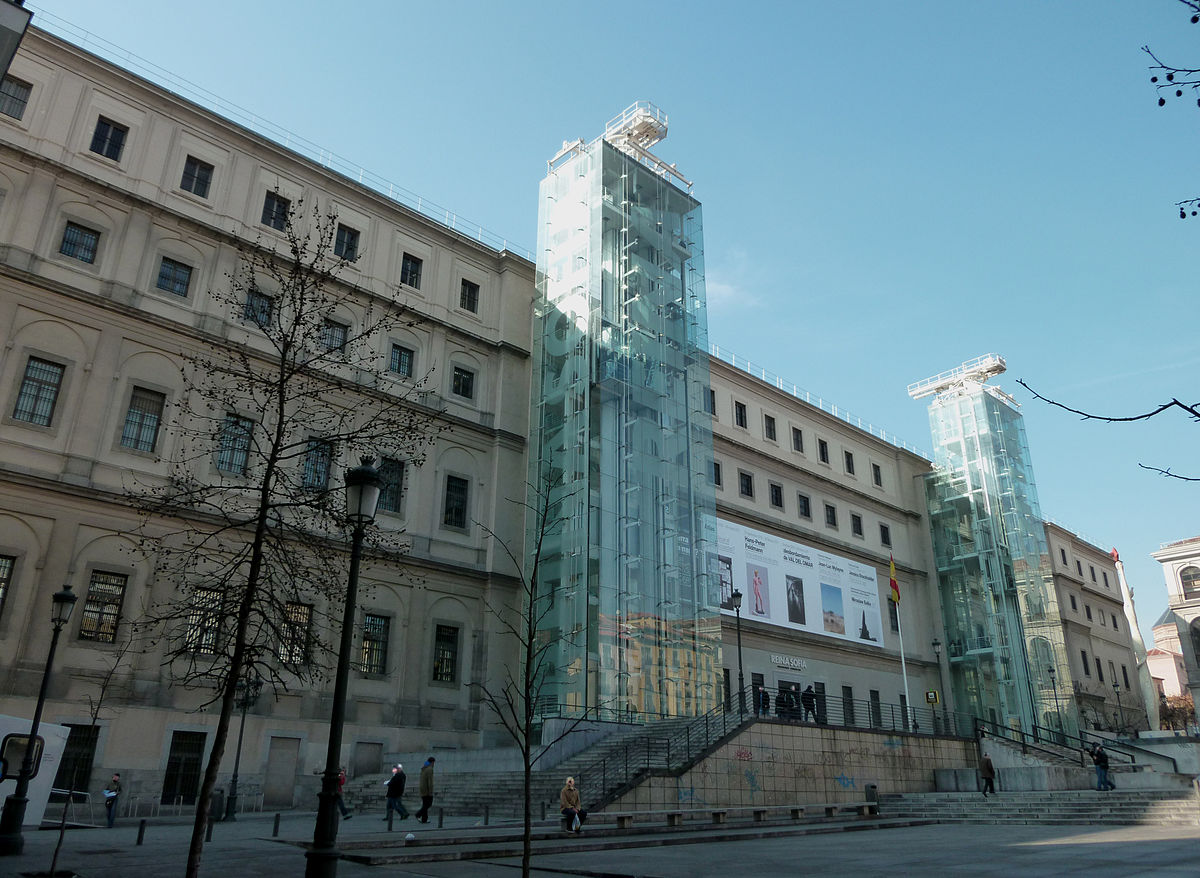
[710, 401]
[1087, 670]
[716, 471]
[1125, 675]
[877, 475]
[410, 271]
[80, 242]
[345, 244]
[1099, 671]
[803, 506]
[174, 277]
[14, 97]
[204, 621]
[885, 535]
[102, 609]
[769, 427]
[39, 392]
[1115, 626]
[7, 564]
[334, 335]
[848, 705]
[259, 308]
[391, 487]
[373, 659]
[197, 177]
[142, 419]
[233, 454]
[856, 524]
[445, 654]
[1105, 575]
[849, 457]
[1079, 568]
[739, 414]
[1074, 606]
[893, 615]
[108, 139]
[830, 515]
[745, 484]
[318, 460]
[294, 634]
[402, 360]
[1063, 553]
[275, 211]
[454, 511]
[797, 439]
[1103, 624]
[1092, 570]
[775, 493]
[468, 296]
[1088, 610]
[463, 383]
[822, 451]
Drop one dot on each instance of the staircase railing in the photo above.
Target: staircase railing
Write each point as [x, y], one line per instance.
[1027, 741]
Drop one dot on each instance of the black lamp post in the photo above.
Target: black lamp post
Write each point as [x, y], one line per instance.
[937, 657]
[11, 840]
[362, 496]
[247, 693]
[1120, 712]
[1057, 712]
[736, 600]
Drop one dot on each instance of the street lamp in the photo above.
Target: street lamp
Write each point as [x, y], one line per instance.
[1120, 712]
[937, 657]
[247, 693]
[362, 495]
[11, 840]
[1057, 712]
[736, 600]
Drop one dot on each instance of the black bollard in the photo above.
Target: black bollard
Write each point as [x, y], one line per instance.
[485, 815]
[441, 817]
[543, 809]
[391, 817]
[141, 830]
[275, 831]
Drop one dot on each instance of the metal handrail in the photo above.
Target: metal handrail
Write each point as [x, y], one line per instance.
[1026, 741]
[1078, 742]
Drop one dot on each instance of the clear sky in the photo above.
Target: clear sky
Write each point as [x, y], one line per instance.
[889, 189]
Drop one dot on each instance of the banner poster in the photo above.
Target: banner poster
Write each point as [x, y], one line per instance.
[796, 586]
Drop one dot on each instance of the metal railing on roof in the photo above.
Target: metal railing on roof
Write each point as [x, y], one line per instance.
[63, 29]
[823, 404]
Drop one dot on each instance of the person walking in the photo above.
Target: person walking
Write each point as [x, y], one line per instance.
[425, 789]
[395, 789]
[341, 801]
[112, 797]
[808, 701]
[1100, 760]
[764, 702]
[573, 814]
[987, 772]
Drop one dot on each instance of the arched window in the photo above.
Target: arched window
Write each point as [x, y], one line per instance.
[1189, 578]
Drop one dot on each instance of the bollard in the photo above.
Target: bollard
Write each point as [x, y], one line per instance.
[141, 830]
[208, 829]
[485, 815]
[391, 817]
[275, 831]
[441, 817]
[543, 809]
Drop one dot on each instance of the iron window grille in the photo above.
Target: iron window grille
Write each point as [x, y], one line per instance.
[233, 456]
[454, 513]
[174, 277]
[39, 392]
[142, 419]
[14, 97]
[102, 609]
[402, 360]
[373, 658]
[80, 242]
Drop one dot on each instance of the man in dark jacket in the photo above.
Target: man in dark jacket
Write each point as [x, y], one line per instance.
[395, 789]
[808, 700]
[1100, 759]
[425, 789]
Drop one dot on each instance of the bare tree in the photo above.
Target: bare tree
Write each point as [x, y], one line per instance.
[249, 526]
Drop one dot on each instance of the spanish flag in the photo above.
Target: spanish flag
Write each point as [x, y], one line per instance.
[894, 597]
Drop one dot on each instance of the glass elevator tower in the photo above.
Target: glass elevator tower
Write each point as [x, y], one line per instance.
[621, 440]
[999, 604]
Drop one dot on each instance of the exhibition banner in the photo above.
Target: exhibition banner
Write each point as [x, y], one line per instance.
[796, 586]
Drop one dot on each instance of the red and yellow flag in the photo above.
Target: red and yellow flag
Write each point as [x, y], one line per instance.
[894, 597]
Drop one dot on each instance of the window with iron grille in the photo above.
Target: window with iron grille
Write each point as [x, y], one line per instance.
[830, 515]
[445, 654]
[80, 242]
[14, 96]
[142, 419]
[259, 308]
[8, 563]
[318, 458]
[108, 139]
[334, 335]
[374, 644]
[402, 360]
[294, 634]
[345, 244]
[197, 177]
[275, 211]
[856, 524]
[391, 484]
[797, 439]
[410, 271]
[463, 383]
[454, 512]
[745, 484]
[804, 506]
[885, 535]
[203, 633]
[233, 455]
[468, 298]
[893, 615]
[102, 608]
[776, 495]
[174, 277]
[39, 392]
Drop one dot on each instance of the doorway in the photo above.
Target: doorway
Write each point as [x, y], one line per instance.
[184, 760]
[279, 785]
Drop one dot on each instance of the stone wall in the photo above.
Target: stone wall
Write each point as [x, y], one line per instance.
[775, 763]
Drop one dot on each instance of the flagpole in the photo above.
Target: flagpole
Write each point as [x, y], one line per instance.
[904, 668]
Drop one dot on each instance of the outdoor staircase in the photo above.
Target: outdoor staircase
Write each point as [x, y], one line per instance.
[1134, 807]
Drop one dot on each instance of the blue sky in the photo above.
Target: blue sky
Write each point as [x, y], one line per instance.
[888, 189]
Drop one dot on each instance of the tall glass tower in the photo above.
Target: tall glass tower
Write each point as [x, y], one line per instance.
[1007, 655]
[622, 437]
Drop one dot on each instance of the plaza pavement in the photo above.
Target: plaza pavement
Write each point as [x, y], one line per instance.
[245, 848]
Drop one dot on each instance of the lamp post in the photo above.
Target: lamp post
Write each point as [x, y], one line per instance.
[1120, 712]
[362, 495]
[736, 600]
[937, 657]
[11, 840]
[247, 693]
[1057, 712]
